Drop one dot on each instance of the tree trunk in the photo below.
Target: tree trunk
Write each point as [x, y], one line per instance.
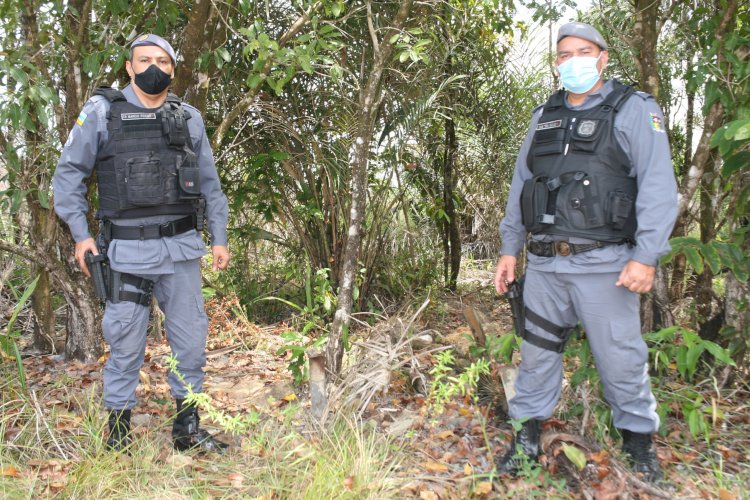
[646, 36]
[449, 183]
[737, 309]
[654, 306]
[199, 36]
[369, 96]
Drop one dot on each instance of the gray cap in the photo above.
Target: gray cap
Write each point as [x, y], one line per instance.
[151, 39]
[582, 30]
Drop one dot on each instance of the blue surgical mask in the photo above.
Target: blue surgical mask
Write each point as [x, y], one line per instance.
[579, 74]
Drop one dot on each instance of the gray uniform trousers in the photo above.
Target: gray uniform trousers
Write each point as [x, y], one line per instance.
[125, 328]
[610, 317]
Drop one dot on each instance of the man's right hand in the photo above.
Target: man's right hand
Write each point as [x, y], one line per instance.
[87, 245]
[505, 273]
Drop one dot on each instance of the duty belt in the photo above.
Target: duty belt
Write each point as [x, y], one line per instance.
[149, 232]
[564, 248]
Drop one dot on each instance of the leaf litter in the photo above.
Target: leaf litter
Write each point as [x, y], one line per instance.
[446, 455]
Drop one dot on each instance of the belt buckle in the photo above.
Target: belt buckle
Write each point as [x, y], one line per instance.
[562, 248]
[167, 229]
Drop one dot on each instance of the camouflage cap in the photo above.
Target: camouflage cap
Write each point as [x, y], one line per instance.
[582, 30]
[151, 39]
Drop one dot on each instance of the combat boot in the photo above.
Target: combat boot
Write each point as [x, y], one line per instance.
[642, 453]
[528, 439]
[119, 430]
[187, 433]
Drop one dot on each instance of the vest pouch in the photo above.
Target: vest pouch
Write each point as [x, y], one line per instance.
[143, 181]
[188, 178]
[549, 141]
[619, 209]
[534, 200]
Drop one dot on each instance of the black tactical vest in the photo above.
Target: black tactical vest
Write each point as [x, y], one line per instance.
[147, 167]
[581, 185]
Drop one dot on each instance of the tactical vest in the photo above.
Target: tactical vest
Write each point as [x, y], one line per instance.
[581, 185]
[148, 166]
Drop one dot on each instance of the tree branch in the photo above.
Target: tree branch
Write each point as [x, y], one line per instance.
[244, 103]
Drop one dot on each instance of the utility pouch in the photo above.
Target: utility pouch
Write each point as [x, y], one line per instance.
[188, 177]
[143, 182]
[620, 207]
[98, 265]
[534, 203]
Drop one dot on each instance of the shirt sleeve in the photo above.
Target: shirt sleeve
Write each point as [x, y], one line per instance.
[639, 129]
[76, 164]
[217, 207]
[512, 230]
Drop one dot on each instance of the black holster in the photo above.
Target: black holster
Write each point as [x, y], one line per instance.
[515, 299]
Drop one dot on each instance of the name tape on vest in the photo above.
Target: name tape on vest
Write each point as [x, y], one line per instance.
[138, 116]
[548, 125]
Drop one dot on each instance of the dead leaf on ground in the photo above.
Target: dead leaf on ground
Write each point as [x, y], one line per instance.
[349, 483]
[9, 471]
[725, 495]
[444, 434]
[483, 488]
[428, 495]
[432, 466]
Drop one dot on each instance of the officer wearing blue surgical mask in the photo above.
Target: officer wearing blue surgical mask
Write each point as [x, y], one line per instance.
[594, 200]
[157, 187]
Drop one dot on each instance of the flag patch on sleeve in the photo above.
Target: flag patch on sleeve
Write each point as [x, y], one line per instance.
[656, 124]
[81, 118]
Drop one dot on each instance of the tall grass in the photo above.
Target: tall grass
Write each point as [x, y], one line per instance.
[42, 455]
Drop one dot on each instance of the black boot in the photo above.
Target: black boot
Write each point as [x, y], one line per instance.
[642, 454]
[119, 430]
[188, 435]
[528, 439]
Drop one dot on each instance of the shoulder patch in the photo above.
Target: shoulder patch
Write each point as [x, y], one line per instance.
[81, 118]
[656, 124]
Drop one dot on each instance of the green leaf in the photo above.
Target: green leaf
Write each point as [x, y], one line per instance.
[694, 259]
[691, 360]
[224, 54]
[305, 63]
[719, 352]
[711, 257]
[254, 80]
[575, 455]
[742, 133]
[735, 162]
[43, 199]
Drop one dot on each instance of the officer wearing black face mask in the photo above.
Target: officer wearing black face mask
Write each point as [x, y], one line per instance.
[156, 181]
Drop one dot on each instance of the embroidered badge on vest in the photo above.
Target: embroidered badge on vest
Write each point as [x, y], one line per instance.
[548, 125]
[587, 128]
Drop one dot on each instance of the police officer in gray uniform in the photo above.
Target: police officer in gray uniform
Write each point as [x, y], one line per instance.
[156, 178]
[595, 194]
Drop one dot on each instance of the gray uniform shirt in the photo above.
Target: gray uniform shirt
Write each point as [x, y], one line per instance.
[639, 131]
[156, 256]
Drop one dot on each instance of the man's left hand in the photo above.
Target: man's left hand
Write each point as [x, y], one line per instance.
[221, 257]
[637, 277]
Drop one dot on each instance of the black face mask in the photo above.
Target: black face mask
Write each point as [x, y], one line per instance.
[153, 81]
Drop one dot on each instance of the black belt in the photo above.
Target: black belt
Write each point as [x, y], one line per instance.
[150, 232]
[564, 248]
